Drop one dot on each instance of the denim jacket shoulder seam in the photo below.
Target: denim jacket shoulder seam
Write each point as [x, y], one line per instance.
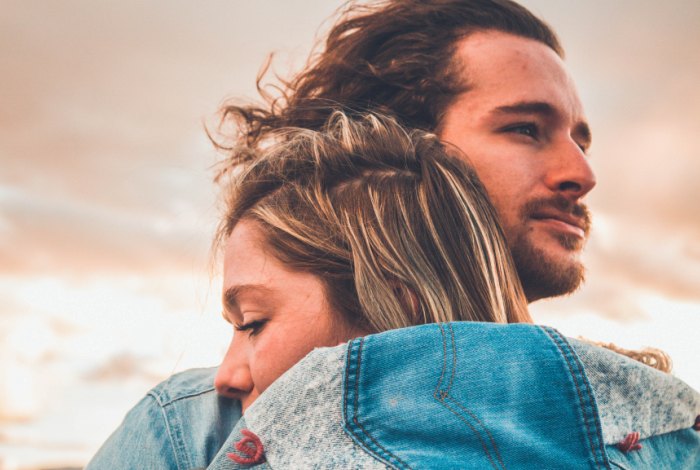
[352, 426]
[171, 438]
[594, 435]
[443, 395]
[163, 399]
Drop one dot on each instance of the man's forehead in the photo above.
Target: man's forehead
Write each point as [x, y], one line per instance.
[482, 48]
[500, 70]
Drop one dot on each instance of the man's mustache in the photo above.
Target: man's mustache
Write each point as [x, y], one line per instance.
[562, 205]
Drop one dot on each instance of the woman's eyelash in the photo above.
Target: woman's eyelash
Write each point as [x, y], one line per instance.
[253, 327]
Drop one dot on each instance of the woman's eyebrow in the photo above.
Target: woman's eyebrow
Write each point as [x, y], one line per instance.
[233, 294]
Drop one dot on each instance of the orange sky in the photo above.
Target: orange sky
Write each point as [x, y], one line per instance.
[106, 205]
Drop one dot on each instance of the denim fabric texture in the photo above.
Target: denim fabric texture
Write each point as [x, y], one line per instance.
[456, 395]
[635, 398]
[467, 417]
[180, 424]
[296, 435]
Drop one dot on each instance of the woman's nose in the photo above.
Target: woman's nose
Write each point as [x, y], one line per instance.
[233, 379]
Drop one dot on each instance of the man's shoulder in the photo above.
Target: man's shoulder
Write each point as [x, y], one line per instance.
[197, 419]
[180, 423]
[189, 384]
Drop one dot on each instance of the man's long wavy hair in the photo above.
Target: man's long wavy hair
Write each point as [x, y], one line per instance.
[399, 232]
[393, 57]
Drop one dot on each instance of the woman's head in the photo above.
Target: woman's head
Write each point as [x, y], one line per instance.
[394, 230]
[279, 314]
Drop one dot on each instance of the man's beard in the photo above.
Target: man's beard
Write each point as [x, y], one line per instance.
[544, 275]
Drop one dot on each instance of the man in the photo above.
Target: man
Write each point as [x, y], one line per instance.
[488, 78]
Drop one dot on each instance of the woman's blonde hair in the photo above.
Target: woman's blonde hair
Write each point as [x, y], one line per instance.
[400, 232]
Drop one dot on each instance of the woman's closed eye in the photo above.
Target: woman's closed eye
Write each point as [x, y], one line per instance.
[253, 327]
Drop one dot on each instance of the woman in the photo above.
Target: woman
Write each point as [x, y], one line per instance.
[360, 229]
[374, 228]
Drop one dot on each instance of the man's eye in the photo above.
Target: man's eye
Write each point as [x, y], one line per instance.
[526, 129]
[252, 327]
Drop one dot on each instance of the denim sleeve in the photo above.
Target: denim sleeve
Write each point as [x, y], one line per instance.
[141, 441]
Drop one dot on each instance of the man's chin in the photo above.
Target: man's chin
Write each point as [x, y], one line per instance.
[548, 271]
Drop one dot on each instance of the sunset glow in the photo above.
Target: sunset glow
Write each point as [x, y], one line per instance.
[107, 208]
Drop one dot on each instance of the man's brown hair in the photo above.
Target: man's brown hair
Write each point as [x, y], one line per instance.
[394, 57]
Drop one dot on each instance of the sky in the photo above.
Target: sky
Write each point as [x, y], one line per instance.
[107, 209]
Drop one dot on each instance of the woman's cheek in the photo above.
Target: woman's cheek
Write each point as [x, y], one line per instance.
[266, 363]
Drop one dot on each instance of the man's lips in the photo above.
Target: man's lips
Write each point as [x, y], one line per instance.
[563, 221]
[560, 214]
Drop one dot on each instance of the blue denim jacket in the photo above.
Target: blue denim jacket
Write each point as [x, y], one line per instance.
[456, 395]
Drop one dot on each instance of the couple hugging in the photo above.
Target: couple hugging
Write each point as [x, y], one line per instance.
[387, 223]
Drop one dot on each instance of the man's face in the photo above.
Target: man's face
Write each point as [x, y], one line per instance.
[521, 125]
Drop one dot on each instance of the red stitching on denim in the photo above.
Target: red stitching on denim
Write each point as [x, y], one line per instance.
[251, 446]
[629, 443]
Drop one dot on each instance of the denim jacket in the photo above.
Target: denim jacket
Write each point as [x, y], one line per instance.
[455, 395]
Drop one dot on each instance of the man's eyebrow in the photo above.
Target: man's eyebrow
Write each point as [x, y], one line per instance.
[233, 294]
[527, 107]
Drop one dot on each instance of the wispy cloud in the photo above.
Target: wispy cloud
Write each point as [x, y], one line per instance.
[124, 366]
[107, 205]
[81, 238]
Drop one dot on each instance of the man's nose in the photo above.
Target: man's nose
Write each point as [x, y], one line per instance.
[570, 172]
[233, 379]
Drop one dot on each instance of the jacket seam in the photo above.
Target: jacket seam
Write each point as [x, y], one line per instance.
[168, 430]
[163, 402]
[556, 338]
[441, 399]
[356, 405]
[385, 459]
[454, 369]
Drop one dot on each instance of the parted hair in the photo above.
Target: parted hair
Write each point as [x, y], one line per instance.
[394, 57]
[399, 232]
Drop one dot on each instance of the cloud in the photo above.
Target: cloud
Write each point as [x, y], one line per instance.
[81, 239]
[627, 260]
[106, 166]
[124, 366]
[647, 255]
[678, 279]
[106, 203]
